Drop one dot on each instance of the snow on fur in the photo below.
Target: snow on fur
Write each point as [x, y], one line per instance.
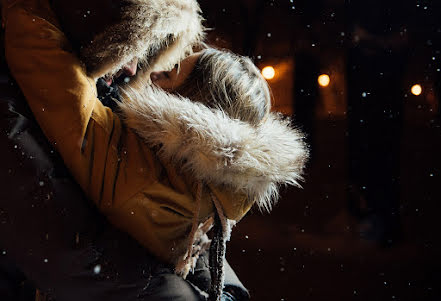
[216, 148]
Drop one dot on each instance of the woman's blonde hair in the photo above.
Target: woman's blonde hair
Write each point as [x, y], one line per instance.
[230, 82]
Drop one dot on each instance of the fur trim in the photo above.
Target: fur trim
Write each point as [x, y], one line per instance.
[216, 148]
[148, 29]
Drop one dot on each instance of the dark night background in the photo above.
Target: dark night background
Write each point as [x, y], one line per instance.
[366, 224]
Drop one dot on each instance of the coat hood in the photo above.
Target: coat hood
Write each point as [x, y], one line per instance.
[215, 148]
[111, 34]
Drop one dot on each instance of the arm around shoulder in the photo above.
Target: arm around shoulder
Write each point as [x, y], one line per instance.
[62, 97]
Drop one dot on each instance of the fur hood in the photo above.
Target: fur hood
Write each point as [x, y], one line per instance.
[150, 30]
[215, 148]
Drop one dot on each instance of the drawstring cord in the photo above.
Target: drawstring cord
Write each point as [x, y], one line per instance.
[183, 267]
[221, 234]
[226, 225]
[222, 231]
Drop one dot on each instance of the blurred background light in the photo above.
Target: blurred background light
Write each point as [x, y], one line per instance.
[324, 80]
[416, 89]
[268, 72]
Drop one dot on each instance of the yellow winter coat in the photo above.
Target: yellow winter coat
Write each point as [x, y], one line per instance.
[136, 175]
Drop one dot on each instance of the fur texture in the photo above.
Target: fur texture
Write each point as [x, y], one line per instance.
[216, 148]
[147, 29]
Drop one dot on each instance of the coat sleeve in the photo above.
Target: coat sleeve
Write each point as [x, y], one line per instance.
[62, 98]
[114, 168]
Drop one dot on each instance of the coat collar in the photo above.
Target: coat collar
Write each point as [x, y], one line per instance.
[216, 149]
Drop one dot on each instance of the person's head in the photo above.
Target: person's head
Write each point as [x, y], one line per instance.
[111, 35]
[220, 79]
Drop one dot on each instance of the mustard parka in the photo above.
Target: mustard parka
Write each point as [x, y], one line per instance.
[143, 173]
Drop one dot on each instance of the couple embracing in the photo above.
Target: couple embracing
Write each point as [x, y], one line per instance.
[172, 146]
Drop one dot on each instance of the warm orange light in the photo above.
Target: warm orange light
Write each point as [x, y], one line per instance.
[416, 89]
[268, 72]
[324, 80]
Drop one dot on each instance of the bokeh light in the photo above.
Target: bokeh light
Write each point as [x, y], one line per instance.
[416, 89]
[268, 72]
[324, 80]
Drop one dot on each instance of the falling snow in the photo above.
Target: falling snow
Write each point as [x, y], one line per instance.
[97, 269]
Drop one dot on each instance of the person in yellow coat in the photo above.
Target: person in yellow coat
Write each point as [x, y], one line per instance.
[170, 164]
[100, 31]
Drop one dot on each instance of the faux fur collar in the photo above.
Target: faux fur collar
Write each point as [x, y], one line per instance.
[216, 148]
[149, 30]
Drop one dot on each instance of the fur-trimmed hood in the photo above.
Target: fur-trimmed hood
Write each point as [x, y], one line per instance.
[110, 34]
[147, 28]
[217, 149]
